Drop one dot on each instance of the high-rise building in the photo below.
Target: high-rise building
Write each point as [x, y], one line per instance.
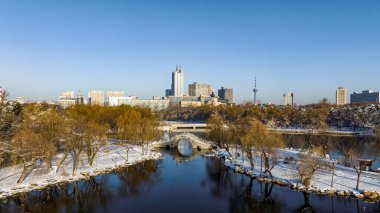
[288, 99]
[226, 94]
[177, 82]
[96, 98]
[366, 96]
[68, 94]
[112, 94]
[340, 96]
[168, 92]
[67, 99]
[200, 89]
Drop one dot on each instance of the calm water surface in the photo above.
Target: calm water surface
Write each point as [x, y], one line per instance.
[177, 184]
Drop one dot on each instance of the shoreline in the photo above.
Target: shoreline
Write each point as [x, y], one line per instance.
[105, 162]
[238, 166]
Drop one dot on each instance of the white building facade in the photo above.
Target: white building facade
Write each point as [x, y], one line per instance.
[96, 98]
[177, 88]
[154, 105]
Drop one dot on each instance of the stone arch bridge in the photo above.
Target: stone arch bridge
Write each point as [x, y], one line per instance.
[172, 142]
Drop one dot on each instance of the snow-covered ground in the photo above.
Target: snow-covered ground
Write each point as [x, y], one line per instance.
[331, 130]
[109, 158]
[344, 178]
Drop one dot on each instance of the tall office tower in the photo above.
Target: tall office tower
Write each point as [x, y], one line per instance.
[367, 96]
[285, 99]
[226, 94]
[68, 94]
[96, 98]
[177, 82]
[340, 96]
[255, 90]
[168, 92]
[292, 98]
[200, 89]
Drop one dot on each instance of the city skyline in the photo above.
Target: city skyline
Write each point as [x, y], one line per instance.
[133, 46]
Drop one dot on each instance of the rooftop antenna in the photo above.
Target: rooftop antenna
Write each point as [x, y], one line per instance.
[255, 90]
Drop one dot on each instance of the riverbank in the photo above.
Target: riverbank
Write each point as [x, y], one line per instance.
[331, 132]
[284, 174]
[109, 158]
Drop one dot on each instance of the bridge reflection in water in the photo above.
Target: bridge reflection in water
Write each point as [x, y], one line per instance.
[185, 148]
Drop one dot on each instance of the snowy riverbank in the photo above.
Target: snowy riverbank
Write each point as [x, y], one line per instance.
[285, 174]
[109, 158]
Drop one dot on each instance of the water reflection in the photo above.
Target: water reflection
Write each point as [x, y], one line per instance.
[244, 194]
[196, 184]
[185, 147]
[247, 195]
[88, 195]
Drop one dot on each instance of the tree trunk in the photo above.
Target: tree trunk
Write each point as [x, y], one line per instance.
[261, 163]
[93, 157]
[76, 163]
[60, 163]
[228, 150]
[142, 148]
[266, 162]
[23, 174]
[127, 153]
[332, 176]
[250, 157]
[357, 181]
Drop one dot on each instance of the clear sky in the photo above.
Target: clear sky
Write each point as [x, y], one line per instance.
[309, 47]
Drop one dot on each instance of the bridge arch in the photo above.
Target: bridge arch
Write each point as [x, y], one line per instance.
[196, 142]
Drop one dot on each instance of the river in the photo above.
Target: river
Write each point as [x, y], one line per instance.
[186, 182]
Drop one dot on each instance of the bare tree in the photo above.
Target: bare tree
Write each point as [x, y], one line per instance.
[306, 168]
[347, 148]
[126, 129]
[219, 132]
[95, 139]
[36, 138]
[358, 165]
[3, 96]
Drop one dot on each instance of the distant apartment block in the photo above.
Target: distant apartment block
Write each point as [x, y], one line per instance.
[117, 101]
[67, 99]
[96, 98]
[200, 89]
[193, 101]
[366, 96]
[226, 95]
[154, 105]
[115, 94]
[68, 94]
[341, 96]
[111, 94]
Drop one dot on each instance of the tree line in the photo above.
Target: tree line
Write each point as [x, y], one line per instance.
[35, 133]
[251, 136]
[315, 116]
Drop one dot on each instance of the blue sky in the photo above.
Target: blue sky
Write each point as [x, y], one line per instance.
[302, 46]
